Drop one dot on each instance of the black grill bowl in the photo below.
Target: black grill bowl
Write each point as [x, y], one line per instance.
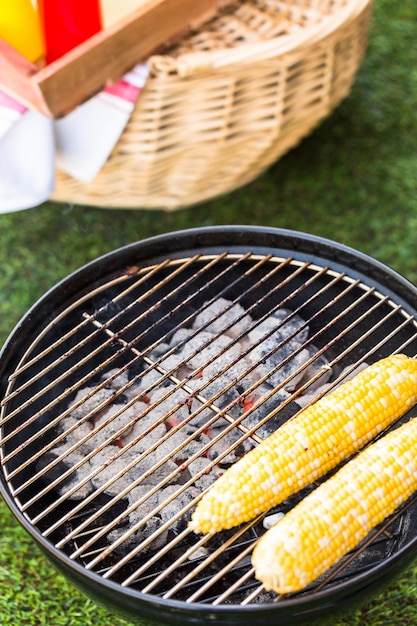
[49, 317]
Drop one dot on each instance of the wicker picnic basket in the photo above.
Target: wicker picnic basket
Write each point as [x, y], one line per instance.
[225, 103]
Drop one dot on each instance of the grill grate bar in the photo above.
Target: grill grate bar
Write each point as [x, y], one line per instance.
[133, 576]
[107, 362]
[405, 320]
[77, 366]
[347, 321]
[210, 558]
[236, 423]
[220, 573]
[73, 331]
[251, 597]
[237, 585]
[122, 390]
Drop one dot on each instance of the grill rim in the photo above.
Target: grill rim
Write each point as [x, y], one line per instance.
[309, 606]
[217, 238]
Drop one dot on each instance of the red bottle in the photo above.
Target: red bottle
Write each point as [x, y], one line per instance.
[67, 23]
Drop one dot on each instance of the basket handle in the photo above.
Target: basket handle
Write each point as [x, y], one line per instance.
[199, 62]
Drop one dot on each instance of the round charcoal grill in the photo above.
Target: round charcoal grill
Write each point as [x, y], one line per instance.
[141, 377]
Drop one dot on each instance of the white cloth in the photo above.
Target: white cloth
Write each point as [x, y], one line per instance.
[33, 145]
[27, 171]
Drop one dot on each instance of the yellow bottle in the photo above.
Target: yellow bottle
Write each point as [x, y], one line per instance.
[20, 27]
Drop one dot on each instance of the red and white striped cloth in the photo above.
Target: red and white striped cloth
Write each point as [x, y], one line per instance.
[33, 145]
[85, 138]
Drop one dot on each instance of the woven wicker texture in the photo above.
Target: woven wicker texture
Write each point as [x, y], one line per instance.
[225, 103]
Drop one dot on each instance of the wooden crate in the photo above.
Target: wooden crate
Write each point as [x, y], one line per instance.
[59, 87]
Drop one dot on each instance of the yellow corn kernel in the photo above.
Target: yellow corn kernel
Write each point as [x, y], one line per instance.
[339, 514]
[309, 445]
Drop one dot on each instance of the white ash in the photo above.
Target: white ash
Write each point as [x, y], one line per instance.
[271, 520]
[149, 379]
[80, 430]
[291, 323]
[112, 426]
[175, 364]
[209, 473]
[229, 442]
[222, 400]
[70, 459]
[176, 505]
[142, 446]
[176, 447]
[120, 380]
[265, 338]
[320, 368]
[146, 528]
[348, 374]
[111, 465]
[232, 321]
[145, 432]
[271, 404]
[181, 336]
[263, 597]
[95, 438]
[103, 426]
[215, 380]
[322, 386]
[146, 507]
[218, 346]
[103, 396]
[176, 398]
[203, 347]
[199, 553]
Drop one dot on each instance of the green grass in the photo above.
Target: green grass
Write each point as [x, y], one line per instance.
[353, 180]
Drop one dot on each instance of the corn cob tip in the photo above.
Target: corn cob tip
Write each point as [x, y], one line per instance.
[220, 508]
[195, 527]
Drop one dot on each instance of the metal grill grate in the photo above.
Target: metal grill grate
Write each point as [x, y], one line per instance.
[114, 356]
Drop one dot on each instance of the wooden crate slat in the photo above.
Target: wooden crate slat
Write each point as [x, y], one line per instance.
[60, 86]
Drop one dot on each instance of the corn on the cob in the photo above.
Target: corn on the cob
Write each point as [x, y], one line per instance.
[311, 444]
[339, 514]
